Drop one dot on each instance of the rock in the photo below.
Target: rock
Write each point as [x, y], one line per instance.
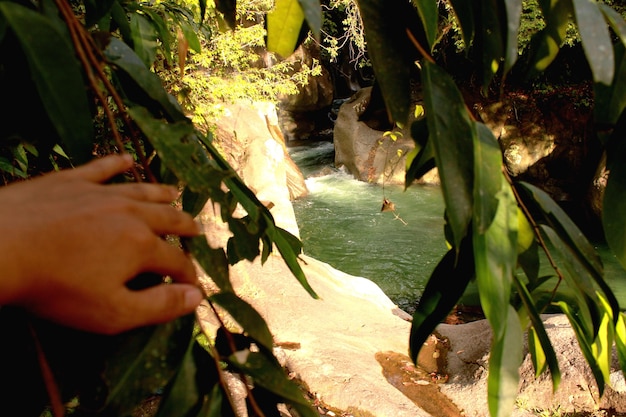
[303, 115]
[367, 153]
[467, 369]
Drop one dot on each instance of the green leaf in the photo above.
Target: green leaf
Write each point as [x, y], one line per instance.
[443, 290]
[610, 101]
[122, 57]
[504, 362]
[313, 15]
[545, 44]
[451, 133]
[144, 38]
[193, 386]
[247, 317]
[267, 373]
[391, 51]
[190, 35]
[603, 343]
[162, 31]
[283, 27]
[584, 343]
[213, 261]
[596, 40]
[180, 150]
[541, 349]
[490, 39]
[285, 242]
[145, 361]
[57, 76]
[513, 18]
[615, 20]
[421, 158]
[429, 13]
[495, 253]
[573, 238]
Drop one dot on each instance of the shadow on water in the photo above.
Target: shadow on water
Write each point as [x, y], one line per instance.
[341, 223]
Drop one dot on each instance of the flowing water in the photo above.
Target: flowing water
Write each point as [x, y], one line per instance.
[341, 223]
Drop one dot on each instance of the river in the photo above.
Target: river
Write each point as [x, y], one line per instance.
[341, 223]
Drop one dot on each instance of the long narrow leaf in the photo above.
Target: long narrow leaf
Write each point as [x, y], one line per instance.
[429, 13]
[247, 317]
[504, 362]
[57, 76]
[620, 341]
[596, 40]
[571, 235]
[451, 133]
[538, 333]
[443, 290]
[313, 15]
[391, 51]
[585, 345]
[494, 230]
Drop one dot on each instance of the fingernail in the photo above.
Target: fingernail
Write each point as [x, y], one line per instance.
[193, 297]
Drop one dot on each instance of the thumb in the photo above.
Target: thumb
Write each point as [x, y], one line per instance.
[165, 302]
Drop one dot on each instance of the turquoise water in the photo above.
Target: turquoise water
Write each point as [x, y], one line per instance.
[341, 223]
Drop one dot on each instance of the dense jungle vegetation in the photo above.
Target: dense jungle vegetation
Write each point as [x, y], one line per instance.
[88, 78]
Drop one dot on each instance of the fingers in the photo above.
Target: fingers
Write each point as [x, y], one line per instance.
[165, 302]
[103, 169]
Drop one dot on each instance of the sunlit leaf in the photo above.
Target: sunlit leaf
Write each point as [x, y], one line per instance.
[596, 40]
[584, 343]
[494, 230]
[283, 26]
[443, 290]
[144, 38]
[541, 349]
[504, 362]
[572, 237]
[603, 343]
[57, 76]
[451, 133]
[247, 317]
[190, 35]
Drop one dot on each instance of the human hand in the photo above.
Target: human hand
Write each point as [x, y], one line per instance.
[69, 244]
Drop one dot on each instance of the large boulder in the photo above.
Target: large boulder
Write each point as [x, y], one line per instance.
[305, 115]
[367, 153]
